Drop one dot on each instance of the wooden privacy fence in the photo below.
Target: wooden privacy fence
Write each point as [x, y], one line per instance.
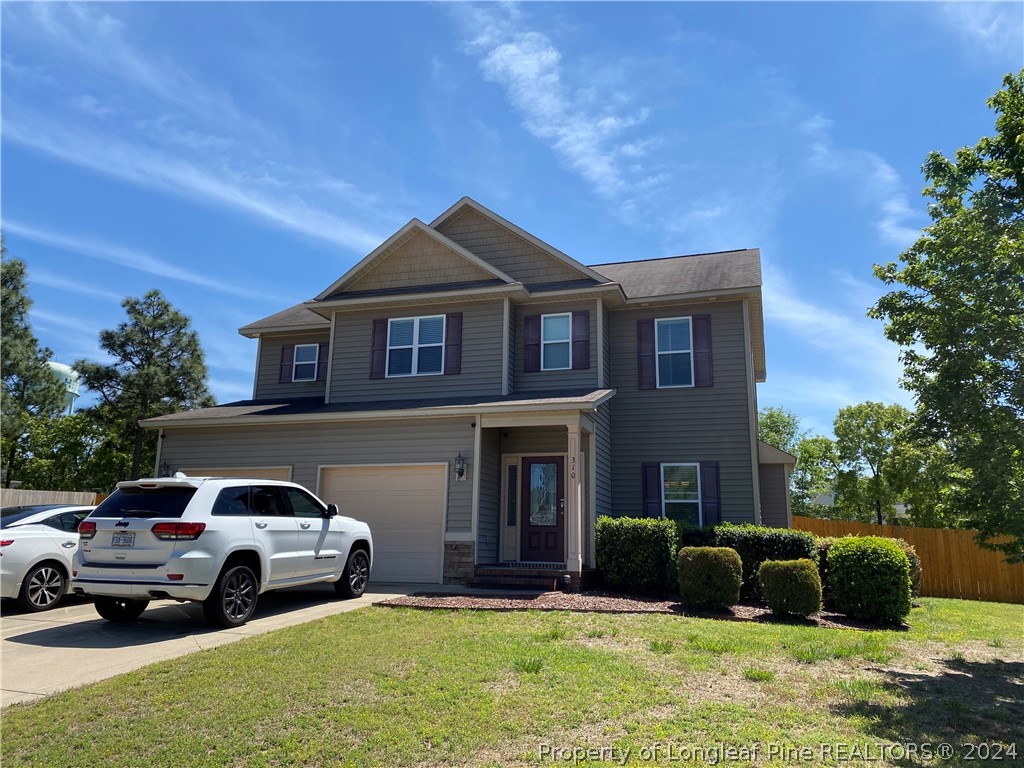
[952, 564]
[18, 497]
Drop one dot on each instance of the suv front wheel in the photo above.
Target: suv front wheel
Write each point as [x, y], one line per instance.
[233, 598]
[357, 572]
[115, 609]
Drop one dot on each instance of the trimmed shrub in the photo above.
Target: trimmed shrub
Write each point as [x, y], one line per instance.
[824, 544]
[695, 537]
[636, 554]
[915, 567]
[709, 577]
[869, 578]
[790, 586]
[756, 543]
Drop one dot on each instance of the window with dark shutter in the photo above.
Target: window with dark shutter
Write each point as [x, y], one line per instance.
[379, 349]
[453, 344]
[321, 363]
[710, 493]
[651, 477]
[703, 375]
[531, 343]
[645, 355]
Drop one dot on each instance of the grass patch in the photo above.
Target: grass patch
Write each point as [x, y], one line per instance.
[398, 687]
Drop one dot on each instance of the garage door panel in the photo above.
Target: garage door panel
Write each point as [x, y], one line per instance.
[405, 509]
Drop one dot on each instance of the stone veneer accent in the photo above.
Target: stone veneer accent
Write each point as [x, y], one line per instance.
[459, 561]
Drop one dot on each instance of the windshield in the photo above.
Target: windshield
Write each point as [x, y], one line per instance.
[162, 501]
[13, 515]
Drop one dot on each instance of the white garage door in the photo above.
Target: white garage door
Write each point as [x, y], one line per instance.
[405, 509]
[262, 473]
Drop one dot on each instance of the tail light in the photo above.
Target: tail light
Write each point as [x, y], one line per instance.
[178, 531]
[6, 542]
[86, 529]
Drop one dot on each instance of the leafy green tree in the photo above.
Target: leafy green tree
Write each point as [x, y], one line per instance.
[779, 427]
[815, 473]
[59, 453]
[958, 316]
[158, 368]
[928, 481]
[866, 435]
[30, 390]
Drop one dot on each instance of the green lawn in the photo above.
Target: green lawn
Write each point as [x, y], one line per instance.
[405, 687]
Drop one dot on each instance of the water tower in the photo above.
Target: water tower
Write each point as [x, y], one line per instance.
[67, 376]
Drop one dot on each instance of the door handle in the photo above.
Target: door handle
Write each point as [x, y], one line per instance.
[69, 544]
[261, 525]
[303, 525]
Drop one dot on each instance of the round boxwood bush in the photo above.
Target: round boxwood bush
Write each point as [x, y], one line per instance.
[709, 577]
[636, 554]
[791, 586]
[824, 544]
[915, 567]
[869, 578]
[756, 543]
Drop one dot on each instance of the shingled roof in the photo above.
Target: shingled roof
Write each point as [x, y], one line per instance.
[698, 273]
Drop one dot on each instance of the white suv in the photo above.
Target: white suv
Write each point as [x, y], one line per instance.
[215, 540]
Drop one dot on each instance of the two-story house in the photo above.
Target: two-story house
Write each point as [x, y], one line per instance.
[479, 398]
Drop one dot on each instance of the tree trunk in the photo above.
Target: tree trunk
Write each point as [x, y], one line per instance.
[878, 511]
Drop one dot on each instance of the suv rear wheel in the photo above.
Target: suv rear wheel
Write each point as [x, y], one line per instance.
[357, 572]
[233, 598]
[113, 609]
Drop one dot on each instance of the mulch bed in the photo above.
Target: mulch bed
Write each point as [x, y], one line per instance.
[608, 602]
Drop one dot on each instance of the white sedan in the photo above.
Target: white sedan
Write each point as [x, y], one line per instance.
[37, 544]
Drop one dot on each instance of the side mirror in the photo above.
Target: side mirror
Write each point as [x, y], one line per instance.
[332, 510]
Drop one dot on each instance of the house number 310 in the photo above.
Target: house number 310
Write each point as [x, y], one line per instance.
[572, 471]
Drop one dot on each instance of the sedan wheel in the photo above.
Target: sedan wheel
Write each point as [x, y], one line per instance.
[233, 598]
[43, 588]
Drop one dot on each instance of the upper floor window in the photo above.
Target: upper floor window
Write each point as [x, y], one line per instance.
[556, 342]
[305, 362]
[416, 346]
[674, 352]
[680, 493]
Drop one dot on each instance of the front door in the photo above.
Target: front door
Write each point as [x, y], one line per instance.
[543, 495]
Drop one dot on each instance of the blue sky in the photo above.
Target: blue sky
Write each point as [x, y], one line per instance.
[241, 157]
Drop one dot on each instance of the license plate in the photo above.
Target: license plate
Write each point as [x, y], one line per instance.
[123, 540]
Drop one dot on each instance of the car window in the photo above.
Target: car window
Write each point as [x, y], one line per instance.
[303, 504]
[161, 501]
[267, 500]
[233, 501]
[66, 521]
[13, 515]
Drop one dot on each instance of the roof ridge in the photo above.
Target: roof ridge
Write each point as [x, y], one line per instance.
[669, 258]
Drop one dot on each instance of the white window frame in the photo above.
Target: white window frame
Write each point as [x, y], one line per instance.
[415, 346]
[700, 505]
[544, 342]
[658, 353]
[296, 363]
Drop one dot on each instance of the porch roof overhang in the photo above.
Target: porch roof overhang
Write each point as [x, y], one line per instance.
[523, 407]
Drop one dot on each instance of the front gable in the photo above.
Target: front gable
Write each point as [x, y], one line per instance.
[414, 257]
[508, 248]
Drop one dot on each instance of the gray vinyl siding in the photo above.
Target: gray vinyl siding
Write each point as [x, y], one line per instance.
[774, 495]
[487, 539]
[481, 365]
[306, 446]
[607, 347]
[537, 440]
[513, 255]
[687, 424]
[603, 448]
[546, 380]
[510, 374]
[269, 367]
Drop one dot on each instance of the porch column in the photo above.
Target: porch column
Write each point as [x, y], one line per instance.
[574, 503]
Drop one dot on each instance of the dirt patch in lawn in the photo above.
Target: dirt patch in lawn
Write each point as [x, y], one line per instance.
[610, 602]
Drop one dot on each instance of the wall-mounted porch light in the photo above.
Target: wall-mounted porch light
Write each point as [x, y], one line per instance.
[165, 469]
[460, 467]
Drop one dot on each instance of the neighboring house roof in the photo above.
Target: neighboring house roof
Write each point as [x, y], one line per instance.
[314, 408]
[297, 318]
[699, 273]
[769, 454]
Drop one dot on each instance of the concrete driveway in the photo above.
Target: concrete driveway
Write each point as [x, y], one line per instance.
[43, 653]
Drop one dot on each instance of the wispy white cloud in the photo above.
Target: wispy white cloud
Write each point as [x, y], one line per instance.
[50, 280]
[876, 182]
[129, 258]
[173, 132]
[992, 28]
[592, 136]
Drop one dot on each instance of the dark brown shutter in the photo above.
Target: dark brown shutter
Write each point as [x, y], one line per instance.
[647, 377]
[703, 374]
[531, 343]
[453, 343]
[580, 340]
[379, 353]
[710, 493]
[652, 490]
[287, 358]
[321, 361]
